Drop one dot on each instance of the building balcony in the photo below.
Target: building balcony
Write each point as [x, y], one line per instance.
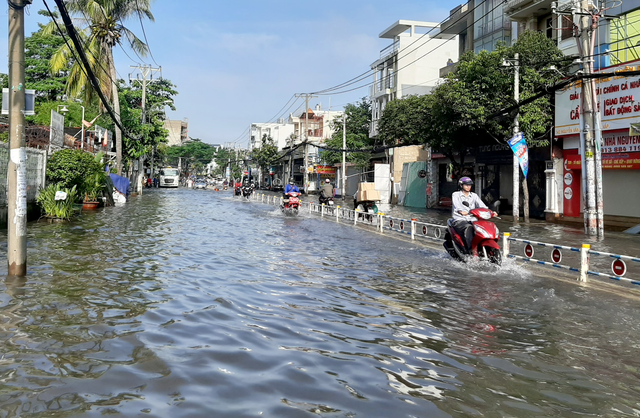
[444, 71]
[524, 9]
[380, 89]
[373, 129]
[457, 22]
[390, 50]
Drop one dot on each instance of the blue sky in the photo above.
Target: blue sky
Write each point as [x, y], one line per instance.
[239, 62]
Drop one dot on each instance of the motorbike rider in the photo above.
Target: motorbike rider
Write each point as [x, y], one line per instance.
[326, 191]
[291, 187]
[462, 202]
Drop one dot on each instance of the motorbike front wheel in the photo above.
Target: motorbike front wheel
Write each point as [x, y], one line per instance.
[494, 255]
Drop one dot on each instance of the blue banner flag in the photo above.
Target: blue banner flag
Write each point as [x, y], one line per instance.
[519, 147]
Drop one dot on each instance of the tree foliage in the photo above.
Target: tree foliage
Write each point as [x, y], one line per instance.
[267, 154]
[159, 94]
[357, 135]
[459, 112]
[100, 29]
[39, 48]
[70, 167]
[194, 154]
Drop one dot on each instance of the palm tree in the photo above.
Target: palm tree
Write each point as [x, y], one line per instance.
[101, 29]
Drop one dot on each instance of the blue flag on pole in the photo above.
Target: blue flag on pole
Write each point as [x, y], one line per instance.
[519, 147]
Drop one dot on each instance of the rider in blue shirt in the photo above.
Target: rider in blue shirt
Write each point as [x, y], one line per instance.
[291, 187]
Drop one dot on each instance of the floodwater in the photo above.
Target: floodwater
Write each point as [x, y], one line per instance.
[191, 303]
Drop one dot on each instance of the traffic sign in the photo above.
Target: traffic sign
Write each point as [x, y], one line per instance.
[556, 255]
[528, 250]
[619, 267]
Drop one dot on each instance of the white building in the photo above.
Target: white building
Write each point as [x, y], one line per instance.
[178, 131]
[280, 132]
[410, 65]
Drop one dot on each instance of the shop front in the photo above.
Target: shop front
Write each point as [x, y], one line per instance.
[620, 149]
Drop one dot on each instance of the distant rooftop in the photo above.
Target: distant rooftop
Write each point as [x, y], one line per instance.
[402, 26]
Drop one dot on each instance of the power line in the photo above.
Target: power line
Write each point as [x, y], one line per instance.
[401, 54]
[83, 58]
[144, 33]
[414, 61]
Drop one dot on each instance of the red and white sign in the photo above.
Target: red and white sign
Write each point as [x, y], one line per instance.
[528, 250]
[627, 161]
[620, 142]
[618, 267]
[617, 100]
[556, 255]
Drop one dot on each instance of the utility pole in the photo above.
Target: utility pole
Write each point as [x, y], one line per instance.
[590, 132]
[307, 96]
[344, 156]
[590, 220]
[147, 77]
[17, 169]
[516, 129]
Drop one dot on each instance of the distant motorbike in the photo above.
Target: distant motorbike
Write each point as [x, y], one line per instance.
[237, 191]
[485, 239]
[290, 204]
[325, 200]
[246, 191]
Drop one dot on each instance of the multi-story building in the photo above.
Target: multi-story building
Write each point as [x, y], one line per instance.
[410, 65]
[178, 131]
[280, 132]
[313, 127]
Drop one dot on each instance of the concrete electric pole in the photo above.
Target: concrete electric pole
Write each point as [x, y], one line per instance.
[307, 96]
[587, 13]
[344, 156]
[17, 169]
[146, 71]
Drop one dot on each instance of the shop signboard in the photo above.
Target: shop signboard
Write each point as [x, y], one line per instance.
[325, 169]
[617, 99]
[621, 161]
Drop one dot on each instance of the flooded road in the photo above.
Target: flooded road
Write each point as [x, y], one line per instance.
[189, 303]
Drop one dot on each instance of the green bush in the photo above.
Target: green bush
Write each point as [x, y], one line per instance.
[70, 167]
[62, 209]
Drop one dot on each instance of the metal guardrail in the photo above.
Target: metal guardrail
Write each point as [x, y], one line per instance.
[584, 264]
[579, 260]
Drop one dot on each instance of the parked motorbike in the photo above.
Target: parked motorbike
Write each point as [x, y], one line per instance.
[485, 239]
[290, 204]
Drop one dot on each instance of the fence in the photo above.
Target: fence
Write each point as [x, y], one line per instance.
[36, 168]
[583, 261]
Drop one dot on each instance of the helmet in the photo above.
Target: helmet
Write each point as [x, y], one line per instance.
[290, 181]
[327, 181]
[464, 180]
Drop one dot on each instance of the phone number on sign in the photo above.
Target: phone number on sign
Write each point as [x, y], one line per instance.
[621, 148]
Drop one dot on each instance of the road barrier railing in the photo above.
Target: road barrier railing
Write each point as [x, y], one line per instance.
[574, 259]
[584, 261]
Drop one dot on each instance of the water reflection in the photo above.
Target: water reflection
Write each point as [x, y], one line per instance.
[192, 303]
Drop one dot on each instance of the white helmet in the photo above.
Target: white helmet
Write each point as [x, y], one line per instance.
[327, 181]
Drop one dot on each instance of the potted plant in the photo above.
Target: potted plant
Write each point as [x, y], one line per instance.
[57, 201]
[93, 186]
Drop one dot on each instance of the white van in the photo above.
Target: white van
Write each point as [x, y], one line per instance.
[169, 177]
